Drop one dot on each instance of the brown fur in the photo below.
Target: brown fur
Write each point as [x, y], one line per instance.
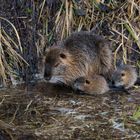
[81, 54]
[125, 76]
[91, 85]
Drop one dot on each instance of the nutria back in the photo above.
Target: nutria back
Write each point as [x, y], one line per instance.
[125, 76]
[90, 48]
[91, 84]
[81, 54]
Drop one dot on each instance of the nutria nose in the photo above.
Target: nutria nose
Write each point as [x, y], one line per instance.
[113, 83]
[47, 78]
[47, 72]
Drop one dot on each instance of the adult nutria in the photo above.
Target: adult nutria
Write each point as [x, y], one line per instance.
[124, 76]
[81, 54]
[92, 84]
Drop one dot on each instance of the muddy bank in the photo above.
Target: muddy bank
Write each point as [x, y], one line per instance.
[47, 112]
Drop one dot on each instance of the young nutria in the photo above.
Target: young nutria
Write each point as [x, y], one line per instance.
[91, 85]
[82, 53]
[124, 77]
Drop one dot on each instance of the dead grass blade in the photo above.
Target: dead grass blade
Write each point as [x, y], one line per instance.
[10, 59]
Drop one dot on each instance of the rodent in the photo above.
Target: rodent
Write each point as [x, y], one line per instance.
[82, 53]
[95, 84]
[124, 76]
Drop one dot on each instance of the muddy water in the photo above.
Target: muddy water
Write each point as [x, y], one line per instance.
[43, 111]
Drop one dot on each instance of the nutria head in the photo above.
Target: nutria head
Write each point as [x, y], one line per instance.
[60, 66]
[55, 64]
[124, 77]
[82, 84]
[91, 84]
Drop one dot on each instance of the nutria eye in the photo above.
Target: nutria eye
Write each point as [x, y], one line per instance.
[87, 82]
[62, 55]
[122, 74]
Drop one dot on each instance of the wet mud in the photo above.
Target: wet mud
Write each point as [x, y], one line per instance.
[43, 111]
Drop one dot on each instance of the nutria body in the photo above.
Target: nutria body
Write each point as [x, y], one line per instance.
[124, 77]
[81, 54]
[91, 85]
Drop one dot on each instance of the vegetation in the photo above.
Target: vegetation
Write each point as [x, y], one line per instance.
[10, 57]
[30, 22]
[34, 112]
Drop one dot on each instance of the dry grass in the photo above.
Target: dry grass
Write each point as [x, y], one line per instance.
[9, 56]
[118, 21]
[54, 20]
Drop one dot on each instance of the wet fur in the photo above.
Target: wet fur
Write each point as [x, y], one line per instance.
[86, 54]
[128, 78]
[96, 84]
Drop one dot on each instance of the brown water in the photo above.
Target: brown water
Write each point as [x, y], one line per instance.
[43, 112]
